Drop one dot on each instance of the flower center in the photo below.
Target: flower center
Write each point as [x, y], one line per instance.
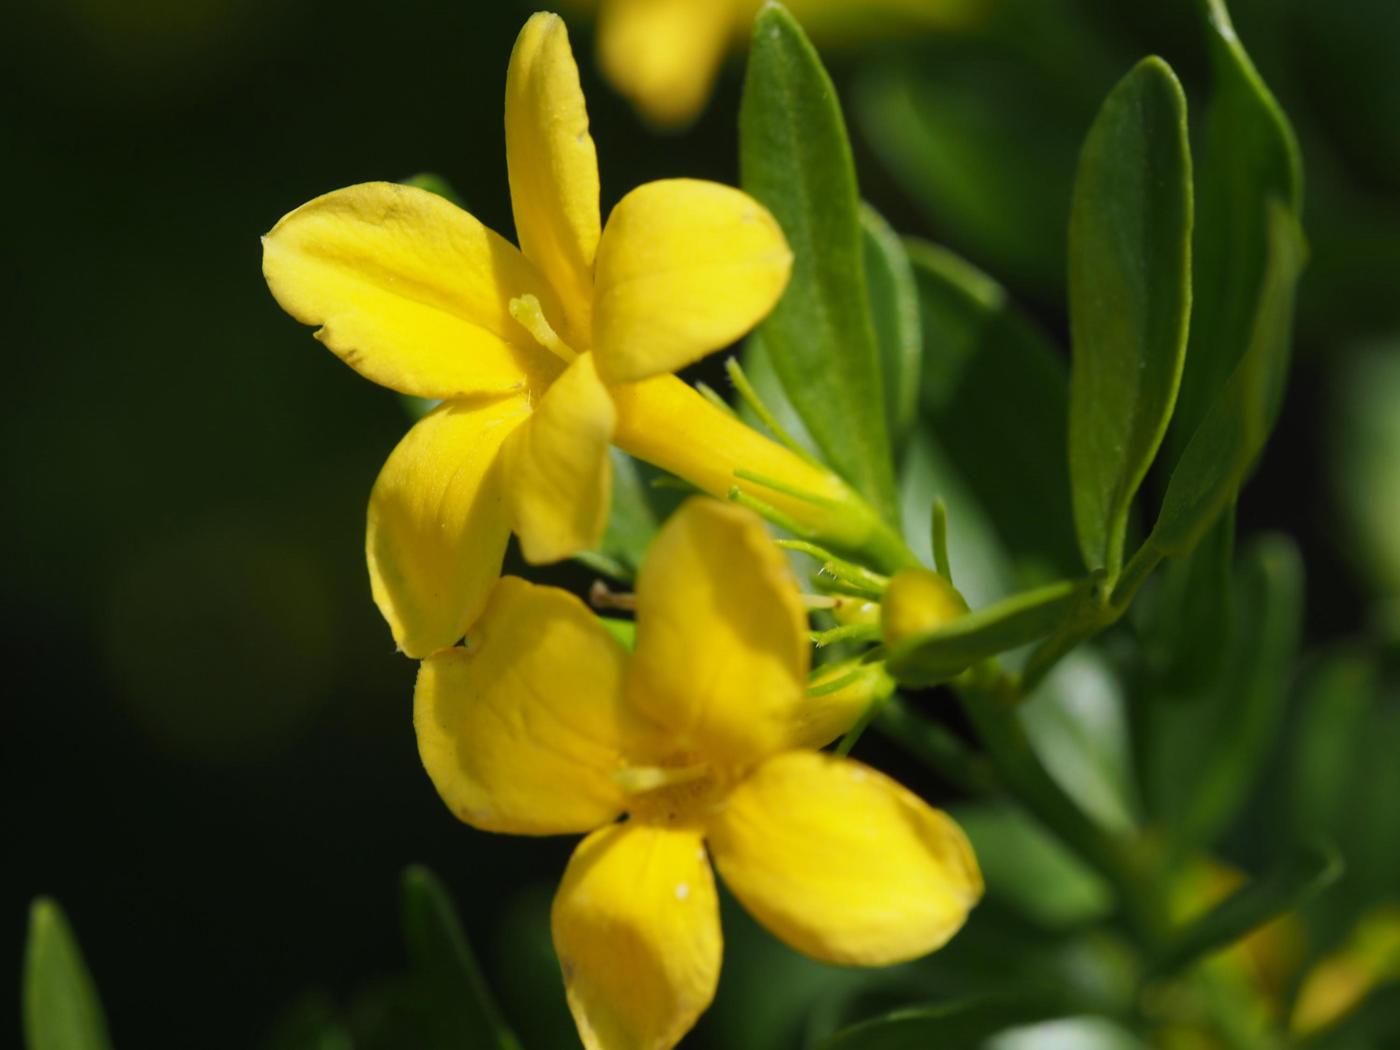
[674, 794]
[529, 314]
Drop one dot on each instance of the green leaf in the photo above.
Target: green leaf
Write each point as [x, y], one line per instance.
[1129, 299]
[1224, 447]
[1365, 424]
[1029, 869]
[1078, 724]
[462, 1010]
[61, 1007]
[1189, 624]
[632, 522]
[1248, 157]
[1301, 876]
[1206, 750]
[950, 126]
[962, 1024]
[894, 308]
[995, 391]
[928, 659]
[794, 158]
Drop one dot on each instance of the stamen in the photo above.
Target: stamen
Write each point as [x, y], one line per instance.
[634, 780]
[526, 309]
[601, 596]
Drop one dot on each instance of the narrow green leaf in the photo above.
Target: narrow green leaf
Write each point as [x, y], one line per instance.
[995, 391]
[462, 1010]
[1129, 299]
[1299, 878]
[894, 308]
[61, 1007]
[1248, 156]
[1224, 447]
[961, 1024]
[1029, 869]
[1190, 624]
[935, 657]
[1205, 751]
[794, 157]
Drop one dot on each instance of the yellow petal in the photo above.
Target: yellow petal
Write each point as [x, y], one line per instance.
[842, 863]
[558, 474]
[553, 166]
[722, 652]
[409, 290]
[663, 54]
[438, 523]
[636, 929]
[520, 731]
[684, 268]
[836, 697]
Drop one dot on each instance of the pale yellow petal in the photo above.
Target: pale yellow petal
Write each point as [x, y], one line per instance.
[553, 167]
[684, 268]
[842, 863]
[438, 523]
[409, 290]
[636, 929]
[558, 475]
[521, 730]
[722, 651]
[663, 54]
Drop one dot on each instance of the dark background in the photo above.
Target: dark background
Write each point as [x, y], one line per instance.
[208, 756]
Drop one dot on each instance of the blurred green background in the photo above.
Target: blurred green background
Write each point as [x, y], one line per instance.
[208, 752]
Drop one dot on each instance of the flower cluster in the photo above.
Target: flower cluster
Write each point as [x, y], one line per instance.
[702, 744]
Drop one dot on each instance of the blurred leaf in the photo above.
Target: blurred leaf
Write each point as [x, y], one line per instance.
[1299, 877]
[962, 1024]
[61, 1007]
[894, 309]
[795, 159]
[995, 391]
[461, 1008]
[313, 1023]
[1224, 447]
[1204, 752]
[1336, 703]
[632, 521]
[1365, 429]
[1010, 623]
[624, 631]
[434, 183]
[1189, 624]
[1028, 869]
[1248, 157]
[1078, 726]
[951, 128]
[1129, 297]
[979, 563]
[1069, 1033]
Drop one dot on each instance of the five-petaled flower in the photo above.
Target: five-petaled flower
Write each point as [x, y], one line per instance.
[544, 724]
[543, 355]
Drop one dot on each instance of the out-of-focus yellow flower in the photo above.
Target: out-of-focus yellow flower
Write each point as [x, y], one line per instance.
[1340, 982]
[543, 724]
[664, 54]
[543, 355]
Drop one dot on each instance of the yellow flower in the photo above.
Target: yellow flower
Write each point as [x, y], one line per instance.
[543, 354]
[543, 724]
[664, 54]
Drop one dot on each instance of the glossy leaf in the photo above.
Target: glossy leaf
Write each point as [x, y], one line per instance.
[1226, 444]
[794, 157]
[1129, 298]
[936, 656]
[61, 1008]
[1248, 157]
[1206, 750]
[1296, 880]
[995, 391]
[460, 1004]
[894, 308]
